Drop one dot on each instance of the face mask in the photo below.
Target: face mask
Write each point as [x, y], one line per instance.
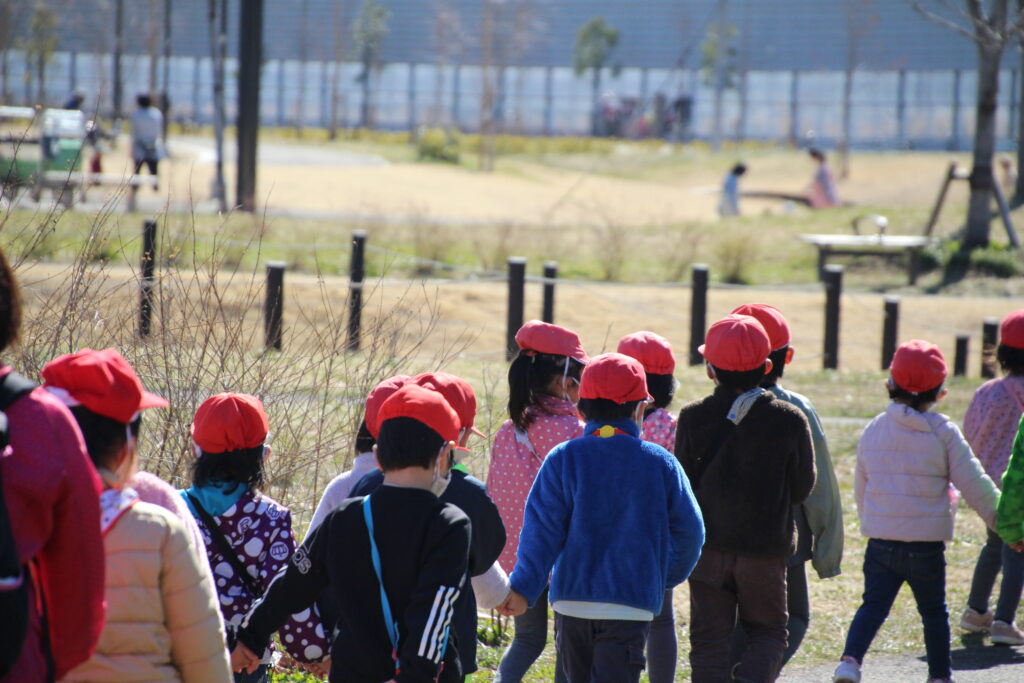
[440, 484]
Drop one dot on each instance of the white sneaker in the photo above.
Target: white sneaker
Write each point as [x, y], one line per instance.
[1005, 634]
[848, 671]
[974, 621]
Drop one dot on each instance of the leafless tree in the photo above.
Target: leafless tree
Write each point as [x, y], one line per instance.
[860, 20]
[217, 16]
[6, 43]
[341, 29]
[487, 30]
[449, 39]
[991, 31]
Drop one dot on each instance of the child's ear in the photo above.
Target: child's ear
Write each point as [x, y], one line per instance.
[942, 394]
[376, 458]
[768, 366]
[789, 355]
[710, 372]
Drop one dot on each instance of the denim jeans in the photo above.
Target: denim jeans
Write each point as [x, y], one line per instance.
[601, 650]
[887, 566]
[531, 635]
[995, 556]
[662, 647]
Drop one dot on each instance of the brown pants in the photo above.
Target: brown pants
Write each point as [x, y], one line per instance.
[722, 587]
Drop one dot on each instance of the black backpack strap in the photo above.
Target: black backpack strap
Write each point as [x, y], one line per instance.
[225, 547]
[12, 387]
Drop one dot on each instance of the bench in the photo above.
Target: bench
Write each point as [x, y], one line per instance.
[860, 245]
[64, 182]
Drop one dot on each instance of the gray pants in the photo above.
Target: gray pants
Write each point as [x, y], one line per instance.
[531, 635]
[601, 650]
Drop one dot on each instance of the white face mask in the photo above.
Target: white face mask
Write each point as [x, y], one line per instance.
[440, 484]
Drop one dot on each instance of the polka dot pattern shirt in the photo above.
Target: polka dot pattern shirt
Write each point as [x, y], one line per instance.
[660, 428]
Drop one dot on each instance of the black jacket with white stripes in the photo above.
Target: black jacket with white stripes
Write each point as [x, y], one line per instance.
[424, 548]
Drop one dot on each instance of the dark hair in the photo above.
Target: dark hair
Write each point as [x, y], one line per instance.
[605, 409]
[529, 377]
[104, 436]
[740, 380]
[364, 439]
[778, 359]
[407, 442]
[144, 100]
[739, 169]
[244, 466]
[1011, 359]
[662, 389]
[10, 304]
[915, 401]
[816, 154]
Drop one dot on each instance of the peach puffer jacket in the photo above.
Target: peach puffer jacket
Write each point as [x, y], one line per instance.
[162, 620]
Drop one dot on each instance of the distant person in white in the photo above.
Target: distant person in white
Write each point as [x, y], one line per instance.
[730, 202]
[147, 126]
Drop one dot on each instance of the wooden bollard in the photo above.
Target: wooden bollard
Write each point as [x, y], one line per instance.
[833, 293]
[890, 330]
[989, 341]
[356, 275]
[698, 310]
[550, 278]
[148, 276]
[516, 297]
[273, 309]
[960, 359]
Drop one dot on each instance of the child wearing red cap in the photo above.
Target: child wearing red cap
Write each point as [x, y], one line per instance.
[907, 461]
[819, 519]
[395, 560]
[248, 535]
[611, 563]
[162, 621]
[655, 353]
[990, 426]
[750, 460]
[543, 389]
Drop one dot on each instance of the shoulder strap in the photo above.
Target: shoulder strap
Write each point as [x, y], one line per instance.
[225, 547]
[12, 387]
[385, 604]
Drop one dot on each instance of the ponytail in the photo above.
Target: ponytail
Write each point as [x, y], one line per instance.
[529, 377]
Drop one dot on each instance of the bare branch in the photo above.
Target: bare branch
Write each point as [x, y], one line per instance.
[943, 21]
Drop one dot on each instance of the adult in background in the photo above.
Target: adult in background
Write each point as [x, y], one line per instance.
[52, 494]
[147, 135]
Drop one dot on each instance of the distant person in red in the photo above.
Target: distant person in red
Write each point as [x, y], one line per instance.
[822, 193]
[52, 494]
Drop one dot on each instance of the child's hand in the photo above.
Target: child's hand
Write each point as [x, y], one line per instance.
[515, 605]
[243, 659]
[1018, 546]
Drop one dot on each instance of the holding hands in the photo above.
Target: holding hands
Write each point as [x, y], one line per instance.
[243, 659]
[514, 605]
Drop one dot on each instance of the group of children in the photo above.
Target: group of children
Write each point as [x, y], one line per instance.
[598, 503]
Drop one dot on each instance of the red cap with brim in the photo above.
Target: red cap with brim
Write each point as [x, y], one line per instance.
[102, 381]
[615, 377]
[376, 398]
[551, 339]
[424, 405]
[736, 343]
[457, 391]
[773, 322]
[652, 350]
[230, 422]
[1011, 331]
[918, 366]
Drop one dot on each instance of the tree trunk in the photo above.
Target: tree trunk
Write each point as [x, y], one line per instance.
[4, 73]
[1018, 193]
[217, 38]
[596, 127]
[332, 131]
[844, 142]
[41, 84]
[364, 115]
[979, 208]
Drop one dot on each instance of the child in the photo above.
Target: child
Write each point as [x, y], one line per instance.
[615, 518]
[162, 621]
[822, 193]
[907, 458]
[395, 560]
[469, 495]
[990, 426]
[729, 205]
[543, 390]
[819, 519]
[248, 536]
[365, 462]
[655, 353]
[750, 460]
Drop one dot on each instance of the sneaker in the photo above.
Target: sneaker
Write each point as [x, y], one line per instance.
[1005, 634]
[975, 622]
[941, 680]
[848, 671]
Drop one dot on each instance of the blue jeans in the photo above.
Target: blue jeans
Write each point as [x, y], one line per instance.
[531, 635]
[887, 566]
[995, 556]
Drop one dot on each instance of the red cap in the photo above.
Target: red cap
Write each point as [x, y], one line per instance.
[652, 350]
[550, 339]
[772, 320]
[616, 377]
[736, 343]
[424, 405]
[918, 366]
[1011, 332]
[230, 422]
[457, 391]
[378, 395]
[102, 381]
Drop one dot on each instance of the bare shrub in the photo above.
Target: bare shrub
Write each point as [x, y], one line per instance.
[493, 245]
[735, 253]
[679, 249]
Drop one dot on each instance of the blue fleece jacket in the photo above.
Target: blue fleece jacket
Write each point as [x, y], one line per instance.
[614, 516]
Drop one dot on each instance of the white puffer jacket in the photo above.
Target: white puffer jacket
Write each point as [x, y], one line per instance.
[906, 461]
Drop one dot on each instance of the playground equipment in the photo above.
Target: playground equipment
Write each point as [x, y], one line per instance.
[40, 149]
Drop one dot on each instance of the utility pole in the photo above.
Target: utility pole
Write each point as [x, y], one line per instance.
[249, 59]
[118, 49]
